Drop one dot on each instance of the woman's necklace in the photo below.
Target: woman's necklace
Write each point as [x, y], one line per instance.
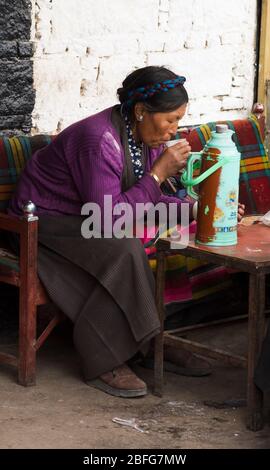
[135, 151]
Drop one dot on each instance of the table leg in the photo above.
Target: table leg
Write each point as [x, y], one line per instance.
[255, 339]
[159, 339]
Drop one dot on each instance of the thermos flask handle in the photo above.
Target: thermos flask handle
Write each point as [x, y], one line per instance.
[187, 177]
[188, 173]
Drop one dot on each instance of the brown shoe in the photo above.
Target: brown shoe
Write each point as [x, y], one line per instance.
[120, 382]
[184, 362]
[180, 362]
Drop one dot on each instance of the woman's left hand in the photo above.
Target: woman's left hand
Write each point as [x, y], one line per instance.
[241, 211]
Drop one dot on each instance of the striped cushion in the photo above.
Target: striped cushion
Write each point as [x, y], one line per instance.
[14, 153]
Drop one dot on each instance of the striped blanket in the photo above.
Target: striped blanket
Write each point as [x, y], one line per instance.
[14, 153]
[187, 278]
[254, 186]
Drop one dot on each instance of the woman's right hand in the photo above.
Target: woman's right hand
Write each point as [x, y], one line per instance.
[172, 160]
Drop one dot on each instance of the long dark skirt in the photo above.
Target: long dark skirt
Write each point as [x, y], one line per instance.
[105, 286]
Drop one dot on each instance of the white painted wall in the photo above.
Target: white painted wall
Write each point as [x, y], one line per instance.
[85, 48]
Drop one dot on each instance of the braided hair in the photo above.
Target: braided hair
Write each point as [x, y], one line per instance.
[158, 88]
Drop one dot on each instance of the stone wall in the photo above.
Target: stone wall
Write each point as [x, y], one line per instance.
[17, 94]
[83, 50]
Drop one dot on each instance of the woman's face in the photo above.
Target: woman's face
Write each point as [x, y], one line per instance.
[157, 128]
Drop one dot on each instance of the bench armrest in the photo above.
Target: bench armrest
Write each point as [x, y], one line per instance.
[27, 229]
[14, 224]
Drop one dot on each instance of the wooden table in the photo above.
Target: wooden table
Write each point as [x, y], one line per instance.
[251, 255]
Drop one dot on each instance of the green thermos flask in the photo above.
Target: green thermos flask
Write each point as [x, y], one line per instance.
[218, 187]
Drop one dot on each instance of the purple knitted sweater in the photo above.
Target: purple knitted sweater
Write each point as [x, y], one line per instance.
[82, 164]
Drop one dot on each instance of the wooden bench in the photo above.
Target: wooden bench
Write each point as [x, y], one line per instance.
[21, 271]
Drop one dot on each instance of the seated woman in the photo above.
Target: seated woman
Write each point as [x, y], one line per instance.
[105, 285]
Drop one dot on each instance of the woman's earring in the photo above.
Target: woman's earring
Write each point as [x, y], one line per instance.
[140, 118]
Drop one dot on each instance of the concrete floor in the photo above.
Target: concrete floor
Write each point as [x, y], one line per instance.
[62, 412]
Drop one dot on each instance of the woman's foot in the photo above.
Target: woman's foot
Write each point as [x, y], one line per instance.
[185, 362]
[120, 382]
[180, 362]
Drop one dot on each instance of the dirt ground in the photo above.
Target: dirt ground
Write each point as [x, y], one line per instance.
[62, 412]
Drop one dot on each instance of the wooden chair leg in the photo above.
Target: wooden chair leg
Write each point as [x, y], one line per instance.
[255, 339]
[159, 340]
[27, 340]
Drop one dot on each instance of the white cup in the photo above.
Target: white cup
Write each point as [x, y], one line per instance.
[170, 143]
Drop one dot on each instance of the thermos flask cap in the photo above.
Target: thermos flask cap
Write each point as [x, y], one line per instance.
[220, 128]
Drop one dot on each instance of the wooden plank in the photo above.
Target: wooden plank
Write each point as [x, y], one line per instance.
[199, 348]
[159, 339]
[12, 224]
[251, 254]
[210, 324]
[9, 277]
[28, 295]
[8, 359]
[267, 127]
[58, 318]
[255, 338]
